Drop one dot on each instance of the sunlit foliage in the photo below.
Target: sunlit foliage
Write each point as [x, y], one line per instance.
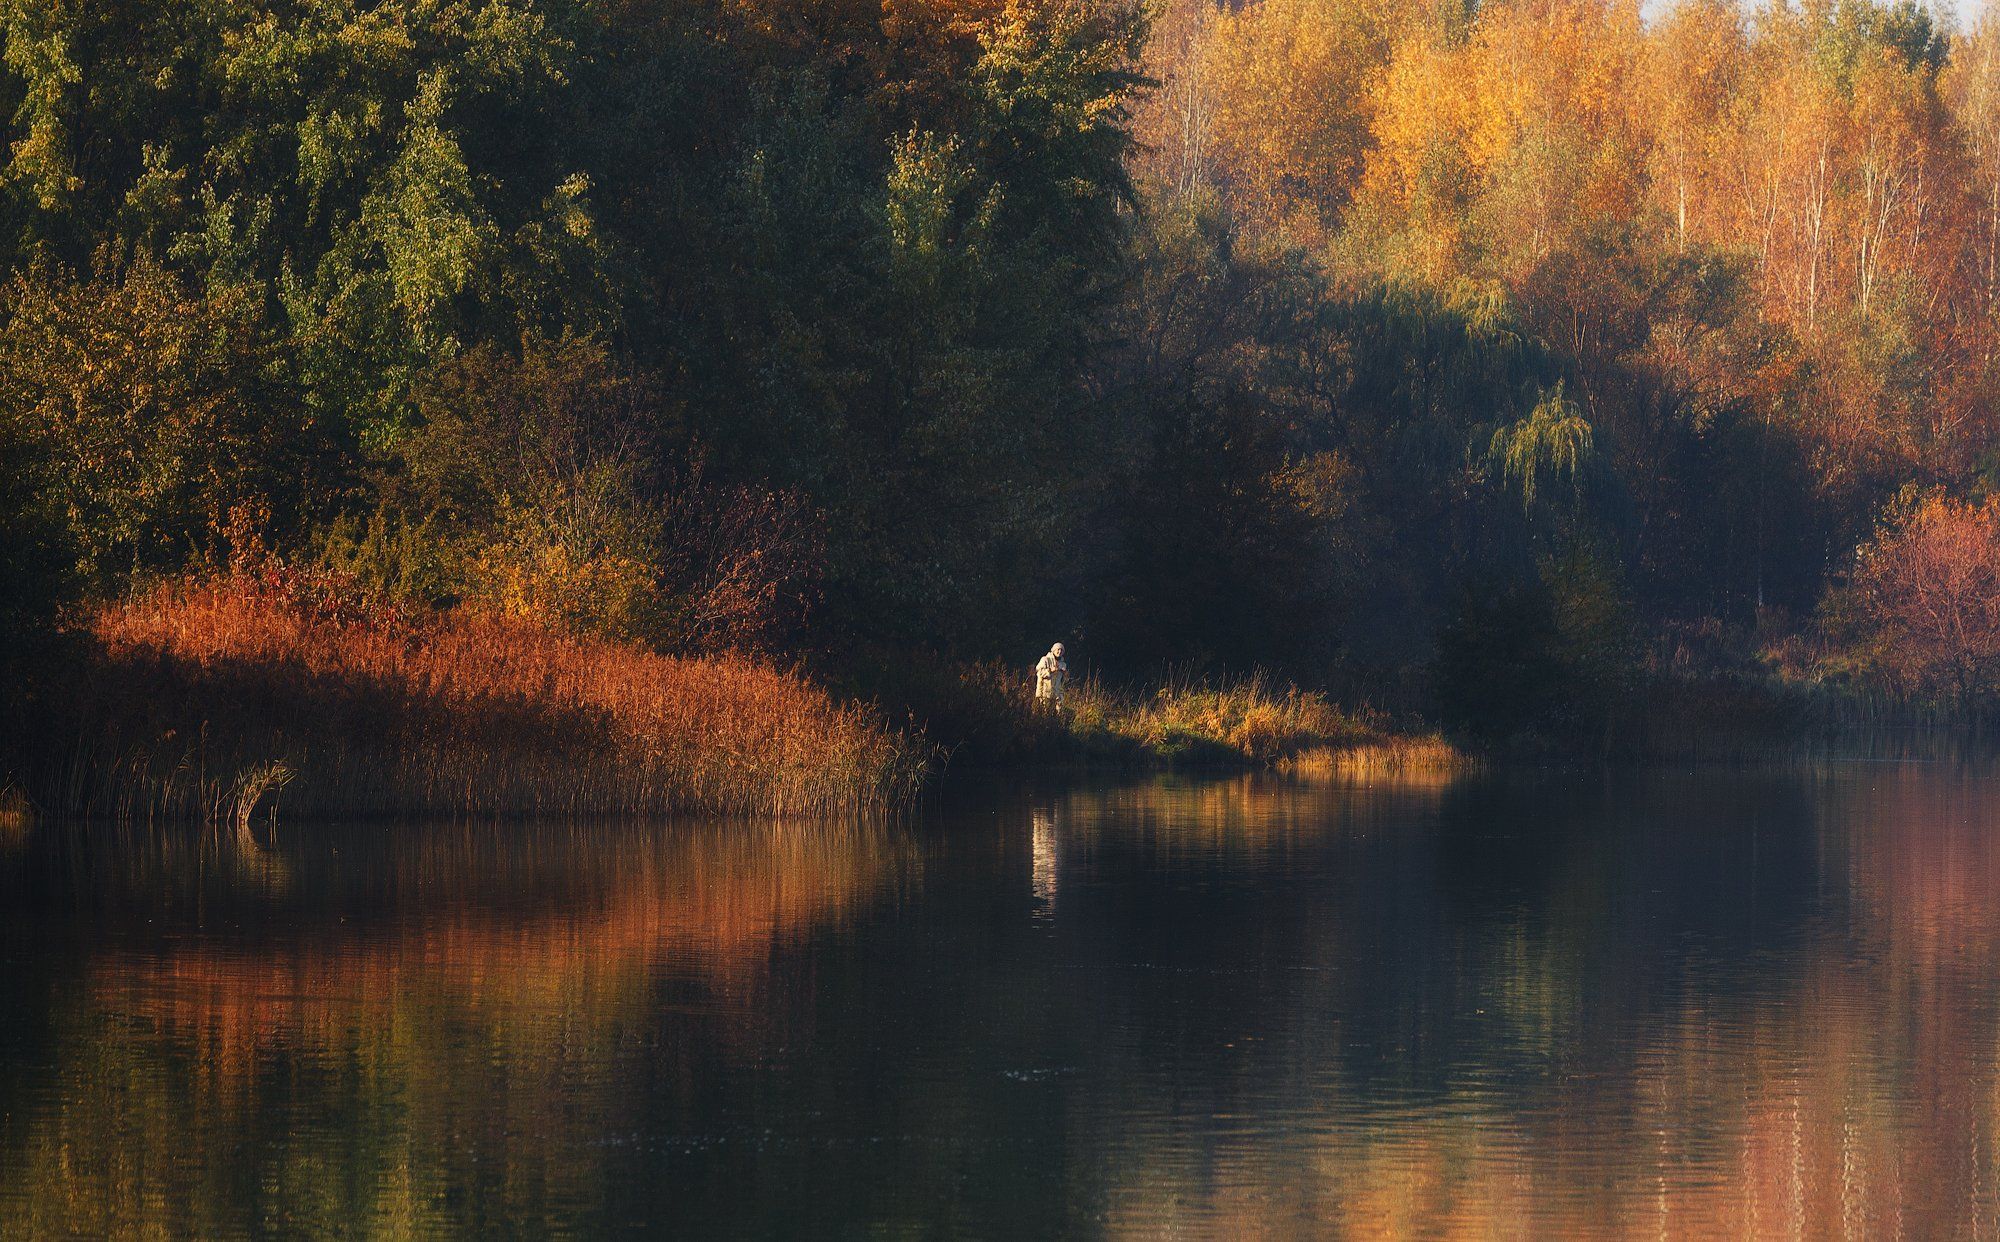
[1923, 603]
[1248, 334]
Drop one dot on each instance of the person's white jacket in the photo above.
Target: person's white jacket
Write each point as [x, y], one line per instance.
[1052, 676]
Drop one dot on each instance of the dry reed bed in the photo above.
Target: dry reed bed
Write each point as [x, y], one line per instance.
[208, 694]
[1253, 721]
[1405, 759]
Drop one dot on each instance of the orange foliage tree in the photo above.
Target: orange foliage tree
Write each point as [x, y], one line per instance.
[1923, 606]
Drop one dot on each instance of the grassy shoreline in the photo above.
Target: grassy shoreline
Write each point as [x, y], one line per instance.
[208, 700]
[984, 716]
[217, 699]
[1250, 723]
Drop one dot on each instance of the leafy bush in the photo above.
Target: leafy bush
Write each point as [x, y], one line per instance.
[557, 486]
[1921, 610]
[146, 415]
[37, 561]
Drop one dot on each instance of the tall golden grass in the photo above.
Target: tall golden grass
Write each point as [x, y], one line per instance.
[1253, 721]
[1426, 758]
[986, 714]
[205, 699]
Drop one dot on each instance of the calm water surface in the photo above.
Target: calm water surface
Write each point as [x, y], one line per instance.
[1672, 1004]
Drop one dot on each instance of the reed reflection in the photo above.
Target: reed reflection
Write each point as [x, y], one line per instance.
[404, 1031]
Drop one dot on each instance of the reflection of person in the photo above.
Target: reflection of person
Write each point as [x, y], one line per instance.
[1052, 677]
[1042, 840]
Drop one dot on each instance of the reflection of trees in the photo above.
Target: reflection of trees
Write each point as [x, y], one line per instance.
[1676, 1006]
[1801, 1068]
[429, 1039]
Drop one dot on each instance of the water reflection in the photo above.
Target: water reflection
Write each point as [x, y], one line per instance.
[409, 1031]
[1047, 865]
[1757, 1003]
[1759, 1009]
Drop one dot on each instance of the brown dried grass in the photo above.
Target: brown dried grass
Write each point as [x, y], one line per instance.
[1405, 759]
[199, 690]
[1253, 722]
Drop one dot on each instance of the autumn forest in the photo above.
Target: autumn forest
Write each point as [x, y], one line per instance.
[1708, 294]
[1490, 368]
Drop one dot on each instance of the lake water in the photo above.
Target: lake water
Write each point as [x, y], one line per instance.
[1662, 1003]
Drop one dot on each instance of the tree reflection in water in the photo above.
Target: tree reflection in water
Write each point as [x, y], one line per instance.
[1753, 1003]
[413, 1029]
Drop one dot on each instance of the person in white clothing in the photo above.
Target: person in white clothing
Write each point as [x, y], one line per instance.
[1052, 677]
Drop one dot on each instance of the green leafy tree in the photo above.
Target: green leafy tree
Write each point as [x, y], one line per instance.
[153, 419]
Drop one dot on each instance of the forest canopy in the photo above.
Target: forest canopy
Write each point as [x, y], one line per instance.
[1439, 353]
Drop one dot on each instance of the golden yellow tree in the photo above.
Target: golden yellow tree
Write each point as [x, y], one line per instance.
[1690, 65]
[1293, 84]
[1172, 125]
[1971, 88]
[1510, 142]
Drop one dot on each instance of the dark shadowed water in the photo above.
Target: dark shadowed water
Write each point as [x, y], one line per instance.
[1672, 1004]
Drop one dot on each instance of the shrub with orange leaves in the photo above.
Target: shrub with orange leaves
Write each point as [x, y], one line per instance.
[1922, 609]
